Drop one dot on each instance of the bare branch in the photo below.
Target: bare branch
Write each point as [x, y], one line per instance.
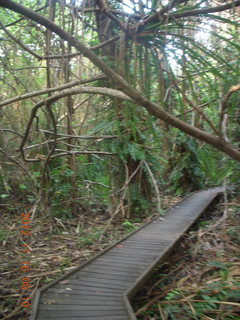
[49, 90]
[68, 153]
[13, 131]
[42, 143]
[81, 137]
[154, 181]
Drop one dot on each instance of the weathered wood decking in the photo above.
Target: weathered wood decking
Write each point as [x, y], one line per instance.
[101, 288]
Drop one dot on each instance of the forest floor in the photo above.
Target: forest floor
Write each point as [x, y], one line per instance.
[207, 264]
[201, 279]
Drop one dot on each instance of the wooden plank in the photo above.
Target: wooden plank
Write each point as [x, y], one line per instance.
[127, 260]
[105, 278]
[118, 273]
[116, 266]
[81, 296]
[75, 313]
[99, 283]
[86, 290]
[88, 302]
[87, 308]
[137, 251]
[107, 274]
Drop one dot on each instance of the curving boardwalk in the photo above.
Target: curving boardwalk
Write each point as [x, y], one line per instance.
[101, 288]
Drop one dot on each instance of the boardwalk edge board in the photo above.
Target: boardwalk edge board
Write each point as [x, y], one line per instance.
[201, 200]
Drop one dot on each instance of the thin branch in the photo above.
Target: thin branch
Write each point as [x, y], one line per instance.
[65, 137]
[68, 153]
[42, 143]
[80, 137]
[154, 184]
[13, 131]
[98, 183]
[50, 90]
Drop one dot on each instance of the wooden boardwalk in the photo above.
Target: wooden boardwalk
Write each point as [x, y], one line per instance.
[101, 288]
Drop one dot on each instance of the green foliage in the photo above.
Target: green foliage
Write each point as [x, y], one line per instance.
[215, 167]
[128, 226]
[206, 302]
[4, 196]
[59, 191]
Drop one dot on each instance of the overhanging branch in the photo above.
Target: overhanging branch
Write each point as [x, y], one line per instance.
[50, 90]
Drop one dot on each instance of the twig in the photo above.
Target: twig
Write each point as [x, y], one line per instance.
[98, 183]
[82, 152]
[201, 301]
[155, 186]
[80, 137]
